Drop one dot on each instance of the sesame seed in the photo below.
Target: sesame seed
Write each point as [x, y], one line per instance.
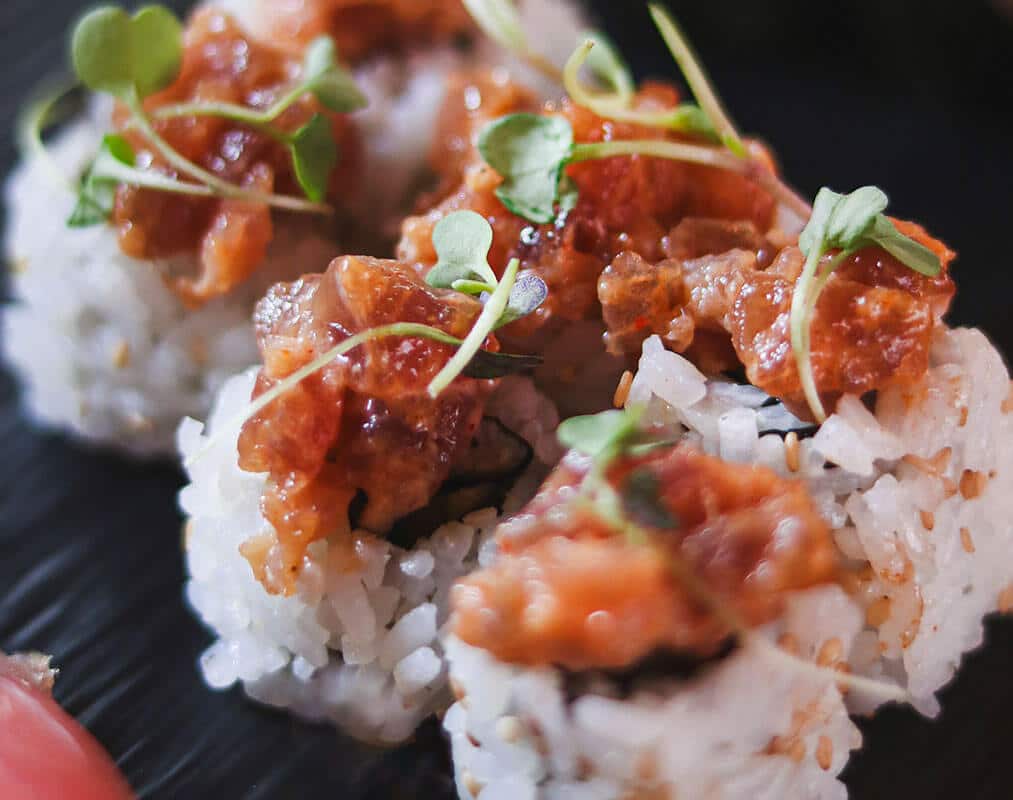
[789, 644]
[623, 390]
[878, 612]
[509, 729]
[966, 541]
[972, 484]
[791, 452]
[1006, 599]
[830, 652]
[825, 753]
[965, 412]
[121, 355]
[928, 520]
[472, 784]
[1007, 404]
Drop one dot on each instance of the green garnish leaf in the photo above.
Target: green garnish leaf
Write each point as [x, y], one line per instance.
[462, 241]
[314, 156]
[530, 152]
[846, 223]
[528, 293]
[853, 221]
[608, 66]
[332, 85]
[97, 194]
[489, 366]
[500, 22]
[127, 56]
[600, 435]
[914, 255]
[641, 500]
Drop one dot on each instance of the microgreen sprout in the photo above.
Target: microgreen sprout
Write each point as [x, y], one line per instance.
[501, 21]
[133, 57]
[699, 83]
[847, 224]
[637, 513]
[532, 156]
[685, 118]
[462, 241]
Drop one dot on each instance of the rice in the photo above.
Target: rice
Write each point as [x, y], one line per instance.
[919, 493]
[358, 647]
[102, 346]
[746, 729]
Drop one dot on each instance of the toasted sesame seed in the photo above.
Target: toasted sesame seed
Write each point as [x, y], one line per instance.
[623, 390]
[121, 355]
[797, 752]
[966, 541]
[1006, 599]
[825, 753]
[789, 644]
[791, 452]
[928, 520]
[509, 729]
[965, 412]
[1007, 404]
[878, 611]
[972, 484]
[471, 783]
[830, 652]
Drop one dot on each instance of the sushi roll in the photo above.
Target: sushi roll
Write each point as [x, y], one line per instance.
[238, 527]
[152, 314]
[640, 631]
[326, 527]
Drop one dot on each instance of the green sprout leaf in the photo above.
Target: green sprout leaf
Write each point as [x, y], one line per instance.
[600, 436]
[314, 156]
[608, 66]
[98, 191]
[846, 223]
[530, 152]
[332, 85]
[641, 500]
[526, 296]
[127, 56]
[914, 255]
[462, 241]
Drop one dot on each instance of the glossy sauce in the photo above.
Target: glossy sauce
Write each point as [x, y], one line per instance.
[221, 63]
[626, 203]
[872, 326]
[567, 589]
[364, 425]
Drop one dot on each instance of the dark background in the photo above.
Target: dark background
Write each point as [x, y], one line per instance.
[912, 96]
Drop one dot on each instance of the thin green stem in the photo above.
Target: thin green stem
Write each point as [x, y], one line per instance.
[659, 148]
[220, 187]
[800, 329]
[697, 79]
[484, 325]
[147, 179]
[35, 120]
[291, 381]
[610, 106]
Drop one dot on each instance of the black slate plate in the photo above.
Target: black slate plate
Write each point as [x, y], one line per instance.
[913, 96]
